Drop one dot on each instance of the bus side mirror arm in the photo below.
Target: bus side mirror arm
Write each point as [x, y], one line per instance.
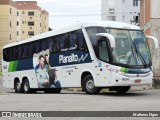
[156, 44]
[110, 38]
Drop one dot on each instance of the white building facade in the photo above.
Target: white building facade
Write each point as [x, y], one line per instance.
[121, 10]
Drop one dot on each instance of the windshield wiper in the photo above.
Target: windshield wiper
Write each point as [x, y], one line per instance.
[130, 55]
[140, 56]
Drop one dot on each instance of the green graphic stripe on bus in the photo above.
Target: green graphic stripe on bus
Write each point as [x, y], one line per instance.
[20, 65]
[13, 66]
[125, 70]
[135, 71]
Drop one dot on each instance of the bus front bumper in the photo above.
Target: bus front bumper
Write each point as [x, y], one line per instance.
[132, 79]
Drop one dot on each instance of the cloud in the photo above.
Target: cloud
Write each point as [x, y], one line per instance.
[67, 12]
[71, 3]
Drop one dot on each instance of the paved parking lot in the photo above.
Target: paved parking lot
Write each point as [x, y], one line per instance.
[148, 100]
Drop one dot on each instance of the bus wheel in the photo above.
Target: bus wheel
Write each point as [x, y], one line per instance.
[88, 85]
[18, 87]
[122, 89]
[26, 86]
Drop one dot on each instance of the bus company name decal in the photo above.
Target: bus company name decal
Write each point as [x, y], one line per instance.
[72, 58]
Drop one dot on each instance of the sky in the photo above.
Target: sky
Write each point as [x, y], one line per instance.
[64, 13]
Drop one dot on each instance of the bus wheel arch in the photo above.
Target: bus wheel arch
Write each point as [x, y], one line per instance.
[87, 83]
[17, 85]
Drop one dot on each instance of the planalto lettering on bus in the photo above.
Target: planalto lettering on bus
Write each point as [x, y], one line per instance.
[68, 59]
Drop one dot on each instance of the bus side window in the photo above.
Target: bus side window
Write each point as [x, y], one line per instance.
[30, 50]
[56, 47]
[50, 45]
[72, 41]
[15, 53]
[5, 55]
[62, 42]
[36, 47]
[92, 31]
[53, 45]
[24, 53]
[44, 44]
[103, 50]
[81, 43]
[10, 54]
[19, 52]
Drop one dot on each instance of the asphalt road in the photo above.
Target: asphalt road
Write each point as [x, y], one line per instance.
[148, 100]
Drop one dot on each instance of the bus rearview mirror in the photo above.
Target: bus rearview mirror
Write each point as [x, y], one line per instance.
[109, 37]
[156, 44]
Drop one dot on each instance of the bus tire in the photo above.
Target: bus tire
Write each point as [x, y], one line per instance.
[26, 86]
[88, 85]
[122, 89]
[18, 87]
[53, 90]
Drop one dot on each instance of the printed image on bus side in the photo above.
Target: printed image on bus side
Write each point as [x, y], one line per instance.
[92, 56]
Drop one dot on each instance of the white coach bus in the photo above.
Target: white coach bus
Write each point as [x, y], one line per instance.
[93, 56]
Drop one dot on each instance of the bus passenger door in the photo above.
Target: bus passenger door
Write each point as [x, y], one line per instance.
[104, 76]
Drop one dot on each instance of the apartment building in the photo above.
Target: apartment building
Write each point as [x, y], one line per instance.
[8, 22]
[44, 21]
[150, 22]
[121, 10]
[20, 20]
[31, 19]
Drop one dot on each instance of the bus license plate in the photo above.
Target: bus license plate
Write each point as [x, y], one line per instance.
[137, 81]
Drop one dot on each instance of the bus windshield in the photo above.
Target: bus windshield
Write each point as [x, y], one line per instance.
[131, 47]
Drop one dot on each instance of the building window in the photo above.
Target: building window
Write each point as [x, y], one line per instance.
[17, 23]
[22, 22]
[10, 37]
[30, 18]
[10, 24]
[135, 2]
[123, 17]
[10, 11]
[17, 13]
[31, 33]
[112, 18]
[40, 24]
[22, 32]
[135, 19]
[111, 10]
[23, 12]
[31, 23]
[17, 33]
[30, 13]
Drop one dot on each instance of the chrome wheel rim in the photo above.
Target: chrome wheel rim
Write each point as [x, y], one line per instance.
[18, 86]
[26, 86]
[90, 84]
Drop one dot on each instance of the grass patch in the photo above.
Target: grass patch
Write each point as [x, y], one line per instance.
[2, 93]
[74, 89]
[104, 90]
